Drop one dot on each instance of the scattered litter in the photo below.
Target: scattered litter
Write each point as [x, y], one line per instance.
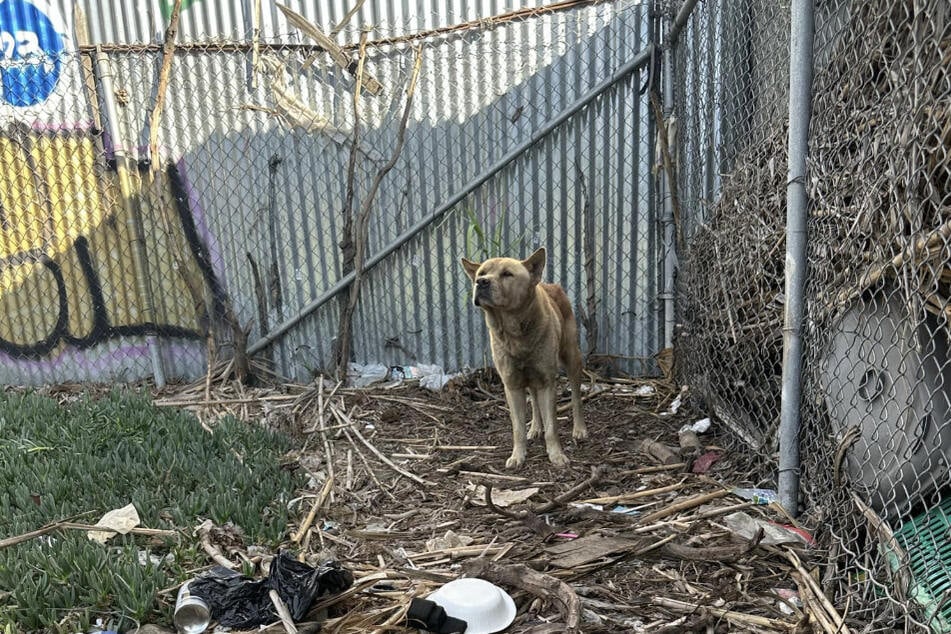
[787, 599]
[450, 540]
[677, 402]
[804, 534]
[587, 505]
[192, 614]
[241, 602]
[567, 535]
[746, 527]
[703, 463]
[145, 557]
[644, 390]
[427, 615]
[626, 510]
[757, 496]
[702, 426]
[431, 377]
[482, 605]
[99, 628]
[119, 521]
[360, 375]
[500, 497]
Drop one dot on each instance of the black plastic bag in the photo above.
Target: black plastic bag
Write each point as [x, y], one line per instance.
[241, 602]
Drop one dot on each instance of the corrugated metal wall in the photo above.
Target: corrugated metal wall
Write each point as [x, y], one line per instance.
[267, 194]
[143, 22]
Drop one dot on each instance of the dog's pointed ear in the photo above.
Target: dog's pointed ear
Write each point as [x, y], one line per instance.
[535, 265]
[471, 268]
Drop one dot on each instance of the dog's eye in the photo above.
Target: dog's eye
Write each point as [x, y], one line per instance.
[506, 274]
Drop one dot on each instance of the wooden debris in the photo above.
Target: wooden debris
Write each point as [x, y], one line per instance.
[584, 550]
[364, 509]
[737, 618]
[204, 536]
[659, 452]
[283, 612]
[541, 585]
[324, 494]
[690, 447]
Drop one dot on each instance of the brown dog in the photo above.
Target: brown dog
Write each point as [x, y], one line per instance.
[531, 327]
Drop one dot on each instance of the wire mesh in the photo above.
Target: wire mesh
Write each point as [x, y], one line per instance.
[731, 85]
[876, 414]
[136, 241]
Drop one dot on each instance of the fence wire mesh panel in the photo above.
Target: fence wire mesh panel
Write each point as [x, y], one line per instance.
[730, 90]
[877, 449]
[876, 435]
[156, 220]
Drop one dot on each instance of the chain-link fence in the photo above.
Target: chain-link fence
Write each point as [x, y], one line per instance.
[876, 418]
[159, 218]
[731, 82]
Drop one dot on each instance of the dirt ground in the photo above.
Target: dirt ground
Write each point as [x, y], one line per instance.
[397, 479]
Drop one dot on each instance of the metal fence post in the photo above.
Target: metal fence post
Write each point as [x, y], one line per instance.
[802, 32]
[666, 192]
[125, 168]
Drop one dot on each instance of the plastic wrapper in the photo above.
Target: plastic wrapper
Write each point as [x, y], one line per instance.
[241, 602]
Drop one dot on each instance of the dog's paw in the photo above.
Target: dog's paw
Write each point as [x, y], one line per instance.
[559, 459]
[515, 461]
[534, 430]
[579, 433]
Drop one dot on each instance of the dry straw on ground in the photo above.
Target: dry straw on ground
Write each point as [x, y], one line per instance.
[406, 488]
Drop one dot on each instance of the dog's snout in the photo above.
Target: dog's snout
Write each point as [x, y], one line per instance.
[482, 282]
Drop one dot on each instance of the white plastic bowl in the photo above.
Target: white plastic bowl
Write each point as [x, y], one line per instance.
[485, 607]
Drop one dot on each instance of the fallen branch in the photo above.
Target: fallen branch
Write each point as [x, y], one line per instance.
[49, 528]
[543, 586]
[282, 612]
[809, 584]
[204, 536]
[689, 503]
[596, 474]
[626, 498]
[343, 418]
[168, 52]
[736, 618]
[532, 521]
[324, 494]
[713, 553]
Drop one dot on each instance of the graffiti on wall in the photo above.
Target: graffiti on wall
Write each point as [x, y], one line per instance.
[68, 275]
[76, 285]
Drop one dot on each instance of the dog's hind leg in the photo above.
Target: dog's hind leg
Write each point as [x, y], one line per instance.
[572, 361]
[518, 409]
[535, 426]
[545, 397]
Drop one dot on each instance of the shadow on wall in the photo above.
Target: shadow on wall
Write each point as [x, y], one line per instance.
[252, 214]
[274, 198]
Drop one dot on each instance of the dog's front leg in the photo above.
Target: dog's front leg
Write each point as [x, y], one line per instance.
[517, 410]
[545, 397]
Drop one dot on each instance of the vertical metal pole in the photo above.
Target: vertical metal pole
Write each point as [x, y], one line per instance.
[124, 168]
[666, 191]
[802, 34]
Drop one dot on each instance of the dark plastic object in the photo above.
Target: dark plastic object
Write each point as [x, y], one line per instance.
[241, 602]
[430, 616]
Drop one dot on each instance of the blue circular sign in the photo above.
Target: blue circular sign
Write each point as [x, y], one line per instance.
[30, 53]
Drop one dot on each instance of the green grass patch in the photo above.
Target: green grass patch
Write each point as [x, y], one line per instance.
[94, 455]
